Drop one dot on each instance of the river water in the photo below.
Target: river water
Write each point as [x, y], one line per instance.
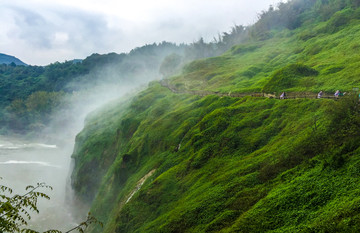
[25, 163]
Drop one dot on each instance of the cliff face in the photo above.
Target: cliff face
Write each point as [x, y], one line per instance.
[184, 163]
[206, 152]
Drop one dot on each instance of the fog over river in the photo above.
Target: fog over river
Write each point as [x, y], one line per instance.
[48, 157]
[25, 163]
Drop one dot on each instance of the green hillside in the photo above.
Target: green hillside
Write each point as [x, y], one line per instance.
[31, 95]
[176, 158]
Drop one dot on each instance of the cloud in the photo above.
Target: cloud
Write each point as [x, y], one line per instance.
[32, 27]
[62, 32]
[41, 31]
[84, 30]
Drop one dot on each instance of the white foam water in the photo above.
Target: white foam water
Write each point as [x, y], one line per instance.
[24, 163]
[29, 162]
[27, 146]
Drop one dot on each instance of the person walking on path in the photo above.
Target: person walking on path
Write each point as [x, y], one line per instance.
[320, 94]
[283, 96]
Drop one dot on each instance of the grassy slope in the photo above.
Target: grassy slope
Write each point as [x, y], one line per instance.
[245, 164]
[333, 51]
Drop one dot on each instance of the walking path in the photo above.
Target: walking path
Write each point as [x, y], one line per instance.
[292, 95]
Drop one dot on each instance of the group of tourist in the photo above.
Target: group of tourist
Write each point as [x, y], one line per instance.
[337, 94]
[319, 95]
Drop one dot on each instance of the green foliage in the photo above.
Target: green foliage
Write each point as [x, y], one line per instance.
[344, 127]
[339, 20]
[310, 45]
[230, 157]
[333, 69]
[225, 164]
[15, 211]
[295, 13]
[306, 35]
[23, 83]
[170, 64]
[251, 71]
[288, 77]
[279, 28]
[34, 112]
[244, 49]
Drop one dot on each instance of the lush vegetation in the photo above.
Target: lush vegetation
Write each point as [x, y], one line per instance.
[167, 162]
[17, 209]
[239, 159]
[325, 44]
[57, 82]
[31, 95]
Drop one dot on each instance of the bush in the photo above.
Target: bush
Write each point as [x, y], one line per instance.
[338, 21]
[306, 35]
[288, 77]
[242, 49]
[333, 69]
[251, 71]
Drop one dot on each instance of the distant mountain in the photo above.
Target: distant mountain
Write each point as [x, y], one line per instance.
[76, 61]
[7, 59]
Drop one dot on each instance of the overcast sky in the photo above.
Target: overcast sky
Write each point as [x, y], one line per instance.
[40, 32]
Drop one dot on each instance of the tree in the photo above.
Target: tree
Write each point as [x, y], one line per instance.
[170, 64]
[15, 210]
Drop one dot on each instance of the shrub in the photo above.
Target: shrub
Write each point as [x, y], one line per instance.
[251, 71]
[333, 69]
[314, 49]
[241, 49]
[338, 21]
[306, 35]
[287, 77]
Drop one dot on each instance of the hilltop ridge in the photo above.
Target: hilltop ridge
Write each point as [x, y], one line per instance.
[7, 59]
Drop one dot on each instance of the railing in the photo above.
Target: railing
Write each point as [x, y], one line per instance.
[292, 95]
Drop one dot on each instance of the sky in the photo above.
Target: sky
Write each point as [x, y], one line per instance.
[40, 32]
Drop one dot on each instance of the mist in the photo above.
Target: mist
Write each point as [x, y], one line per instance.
[47, 157]
[41, 32]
